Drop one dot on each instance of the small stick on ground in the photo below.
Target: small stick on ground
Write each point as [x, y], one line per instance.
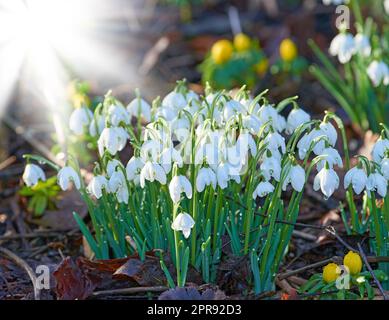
[364, 258]
[130, 290]
[23, 264]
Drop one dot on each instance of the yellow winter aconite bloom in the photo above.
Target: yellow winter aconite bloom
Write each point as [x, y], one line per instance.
[329, 272]
[242, 42]
[221, 51]
[288, 50]
[262, 66]
[353, 262]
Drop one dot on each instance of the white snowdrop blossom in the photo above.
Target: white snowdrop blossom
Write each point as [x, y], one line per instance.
[263, 189]
[139, 108]
[376, 182]
[305, 142]
[178, 185]
[32, 174]
[174, 100]
[118, 185]
[96, 186]
[79, 120]
[362, 45]
[357, 178]
[112, 166]
[385, 168]
[332, 157]
[151, 172]
[67, 175]
[133, 169]
[268, 113]
[97, 125]
[378, 72]
[296, 118]
[112, 139]
[327, 181]
[184, 223]
[328, 130]
[386, 6]
[205, 177]
[343, 46]
[117, 115]
[379, 149]
[295, 177]
[271, 167]
[275, 142]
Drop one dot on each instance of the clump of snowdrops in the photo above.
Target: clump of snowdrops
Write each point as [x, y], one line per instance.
[205, 172]
[361, 85]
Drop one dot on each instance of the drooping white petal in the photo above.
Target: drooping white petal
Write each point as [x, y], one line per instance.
[184, 223]
[67, 175]
[32, 174]
[263, 189]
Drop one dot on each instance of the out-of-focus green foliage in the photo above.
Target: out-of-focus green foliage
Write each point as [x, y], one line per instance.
[42, 196]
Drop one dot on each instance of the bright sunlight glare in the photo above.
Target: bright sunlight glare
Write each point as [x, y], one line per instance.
[45, 43]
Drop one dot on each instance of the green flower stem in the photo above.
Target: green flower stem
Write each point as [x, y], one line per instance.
[176, 246]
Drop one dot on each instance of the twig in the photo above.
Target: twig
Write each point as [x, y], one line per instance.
[130, 290]
[365, 260]
[310, 266]
[304, 235]
[23, 264]
[331, 230]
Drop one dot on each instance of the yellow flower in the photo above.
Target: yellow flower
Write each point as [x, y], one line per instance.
[221, 51]
[330, 273]
[262, 66]
[353, 262]
[242, 42]
[288, 50]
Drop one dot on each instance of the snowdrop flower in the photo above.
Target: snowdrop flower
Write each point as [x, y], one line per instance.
[275, 141]
[295, 177]
[96, 186]
[252, 123]
[32, 174]
[139, 107]
[271, 167]
[328, 129]
[223, 175]
[118, 185]
[245, 143]
[168, 156]
[343, 46]
[263, 189]
[118, 114]
[97, 125]
[183, 222]
[113, 139]
[151, 149]
[378, 71]
[166, 113]
[174, 100]
[133, 169]
[376, 182]
[67, 175]
[231, 109]
[305, 142]
[379, 149]
[151, 172]
[267, 112]
[327, 180]
[296, 118]
[112, 166]
[79, 119]
[178, 185]
[332, 157]
[205, 177]
[386, 6]
[385, 168]
[362, 45]
[357, 178]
